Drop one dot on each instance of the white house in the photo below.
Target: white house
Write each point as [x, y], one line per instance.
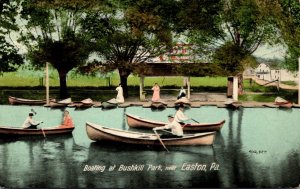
[271, 73]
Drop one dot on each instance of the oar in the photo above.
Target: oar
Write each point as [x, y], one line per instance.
[43, 130]
[160, 140]
[195, 120]
[32, 110]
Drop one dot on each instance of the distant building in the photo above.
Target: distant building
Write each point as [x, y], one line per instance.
[271, 72]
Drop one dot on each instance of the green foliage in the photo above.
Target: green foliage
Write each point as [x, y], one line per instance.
[229, 58]
[9, 56]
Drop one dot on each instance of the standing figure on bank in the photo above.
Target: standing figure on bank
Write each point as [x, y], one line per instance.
[67, 121]
[182, 93]
[29, 123]
[156, 91]
[120, 97]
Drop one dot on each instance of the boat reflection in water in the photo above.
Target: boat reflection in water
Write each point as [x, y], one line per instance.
[257, 147]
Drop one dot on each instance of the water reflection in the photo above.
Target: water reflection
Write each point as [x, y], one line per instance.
[257, 147]
[104, 153]
[36, 162]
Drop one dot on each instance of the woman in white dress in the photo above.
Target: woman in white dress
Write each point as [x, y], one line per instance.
[120, 97]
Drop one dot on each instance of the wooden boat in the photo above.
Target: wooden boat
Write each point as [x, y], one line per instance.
[15, 101]
[15, 131]
[138, 122]
[282, 103]
[99, 133]
[158, 105]
[108, 105]
[86, 103]
[230, 103]
[59, 104]
[183, 101]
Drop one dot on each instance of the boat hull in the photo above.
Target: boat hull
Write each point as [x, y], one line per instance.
[98, 133]
[137, 122]
[11, 131]
[22, 101]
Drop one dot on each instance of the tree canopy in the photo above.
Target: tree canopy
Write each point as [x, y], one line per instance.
[9, 56]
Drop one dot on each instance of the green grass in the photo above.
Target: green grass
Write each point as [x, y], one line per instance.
[78, 84]
[17, 79]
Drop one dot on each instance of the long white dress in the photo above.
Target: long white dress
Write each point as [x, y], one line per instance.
[120, 97]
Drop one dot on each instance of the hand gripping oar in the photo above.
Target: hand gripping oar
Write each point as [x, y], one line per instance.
[160, 140]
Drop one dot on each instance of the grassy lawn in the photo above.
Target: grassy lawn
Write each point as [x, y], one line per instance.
[17, 79]
[76, 83]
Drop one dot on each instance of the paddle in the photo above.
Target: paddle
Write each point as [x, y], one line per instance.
[160, 140]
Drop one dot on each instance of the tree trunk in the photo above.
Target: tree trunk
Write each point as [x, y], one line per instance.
[123, 73]
[240, 84]
[63, 90]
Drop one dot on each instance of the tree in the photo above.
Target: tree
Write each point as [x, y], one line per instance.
[9, 56]
[125, 36]
[241, 24]
[286, 15]
[52, 35]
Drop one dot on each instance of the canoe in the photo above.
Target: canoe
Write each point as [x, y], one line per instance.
[138, 122]
[99, 133]
[15, 101]
[15, 131]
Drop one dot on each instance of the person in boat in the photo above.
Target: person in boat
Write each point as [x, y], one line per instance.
[174, 124]
[67, 120]
[120, 97]
[29, 123]
[156, 91]
[176, 129]
[182, 93]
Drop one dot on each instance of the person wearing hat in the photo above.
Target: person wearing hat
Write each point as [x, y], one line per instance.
[29, 123]
[174, 125]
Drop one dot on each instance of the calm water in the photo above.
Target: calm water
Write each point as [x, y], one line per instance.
[257, 147]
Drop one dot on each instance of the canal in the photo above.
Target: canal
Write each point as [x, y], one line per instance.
[257, 147]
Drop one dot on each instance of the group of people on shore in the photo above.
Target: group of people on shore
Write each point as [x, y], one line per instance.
[156, 93]
[174, 124]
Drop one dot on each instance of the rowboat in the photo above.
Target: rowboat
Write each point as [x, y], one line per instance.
[230, 103]
[99, 133]
[15, 101]
[59, 104]
[139, 122]
[158, 105]
[86, 103]
[183, 101]
[108, 105]
[15, 131]
[282, 103]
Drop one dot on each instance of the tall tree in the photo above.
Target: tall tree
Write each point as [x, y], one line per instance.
[242, 24]
[9, 56]
[51, 34]
[286, 15]
[127, 35]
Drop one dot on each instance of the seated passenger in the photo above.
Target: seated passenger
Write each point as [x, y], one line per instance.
[67, 121]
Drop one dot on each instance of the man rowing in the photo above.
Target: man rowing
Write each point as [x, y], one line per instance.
[174, 124]
[29, 123]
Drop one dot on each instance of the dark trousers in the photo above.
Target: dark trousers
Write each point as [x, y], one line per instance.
[32, 127]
